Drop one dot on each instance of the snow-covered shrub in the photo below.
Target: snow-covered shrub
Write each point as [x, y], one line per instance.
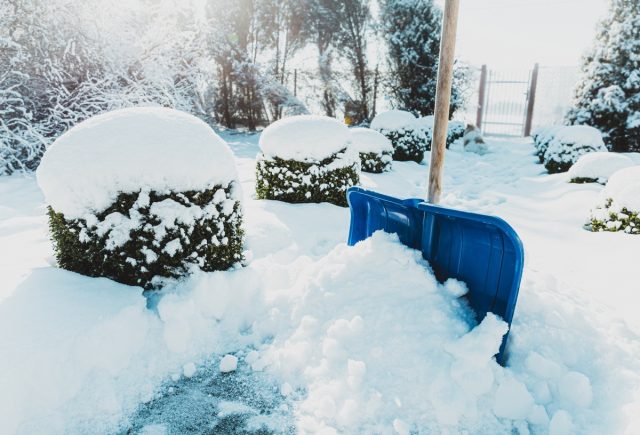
[138, 195]
[455, 130]
[374, 148]
[598, 167]
[620, 203]
[542, 136]
[407, 137]
[568, 144]
[306, 159]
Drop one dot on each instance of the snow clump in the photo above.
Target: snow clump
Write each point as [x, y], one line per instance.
[374, 148]
[140, 195]
[306, 158]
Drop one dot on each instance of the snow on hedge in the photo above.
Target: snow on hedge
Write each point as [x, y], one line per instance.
[542, 136]
[619, 209]
[393, 120]
[374, 148]
[130, 150]
[569, 143]
[598, 167]
[366, 140]
[304, 137]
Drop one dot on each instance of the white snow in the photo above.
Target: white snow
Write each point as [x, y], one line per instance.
[599, 166]
[356, 339]
[579, 135]
[304, 137]
[392, 120]
[127, 150]
[228, 363]
[189, 369]
[623, 188]
[425, 122]
[366, 140]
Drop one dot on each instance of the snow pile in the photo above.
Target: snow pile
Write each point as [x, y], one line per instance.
[393, 120]
[306, 159]
[568, 144]
[129, 150]
[304, 137]
[619, 209]
[473, 141]
[374, 148]
[598, 167]
[406, 134]
[356, 333]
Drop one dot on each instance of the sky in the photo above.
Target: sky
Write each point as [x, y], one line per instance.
[519, 33]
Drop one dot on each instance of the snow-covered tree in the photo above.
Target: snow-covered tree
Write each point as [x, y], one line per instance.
[608, 94]
[411, 29]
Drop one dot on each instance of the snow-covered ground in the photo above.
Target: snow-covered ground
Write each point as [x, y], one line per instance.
[330, 338]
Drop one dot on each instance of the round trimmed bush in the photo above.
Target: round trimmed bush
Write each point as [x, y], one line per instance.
[306, 159]
[374, 149]
[598, 167]
[569, 144]
[619, 209]
[141, 196]
[408, 138]
[455, 131]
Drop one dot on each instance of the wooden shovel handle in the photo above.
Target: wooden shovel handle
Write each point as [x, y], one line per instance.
[443, 97]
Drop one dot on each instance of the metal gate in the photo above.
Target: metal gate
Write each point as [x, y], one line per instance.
[506, 101]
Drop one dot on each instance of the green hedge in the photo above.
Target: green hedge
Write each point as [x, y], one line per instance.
[376, 162]
[608, 219]
[309, 181]
[148, 247]
[409, 144]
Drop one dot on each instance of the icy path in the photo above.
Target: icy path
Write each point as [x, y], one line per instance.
[80, 355]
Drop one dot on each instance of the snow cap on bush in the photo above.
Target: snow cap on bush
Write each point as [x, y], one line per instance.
[392, 120]
[620, 203]
[128, 150]
[598, 167]
[568, 144]
[304, 137]
[141, 195]
[374, 148]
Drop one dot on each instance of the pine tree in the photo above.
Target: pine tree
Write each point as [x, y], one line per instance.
[411, 29]
[608, 94]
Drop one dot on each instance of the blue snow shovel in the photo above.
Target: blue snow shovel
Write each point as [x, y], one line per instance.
[482, 251]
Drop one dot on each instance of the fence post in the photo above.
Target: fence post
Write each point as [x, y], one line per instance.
[531, 100]
[481, 91]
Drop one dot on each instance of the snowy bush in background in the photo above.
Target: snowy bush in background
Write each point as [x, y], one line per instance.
[137, 195]
[455, 130]
[542, 136]
[598, 167]
[407, 137]
[569, 144]
[374, 148]
[306, 159]
[620, 206]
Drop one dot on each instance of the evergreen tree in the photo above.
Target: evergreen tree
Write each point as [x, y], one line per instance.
[411, 29]
[608, 94]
